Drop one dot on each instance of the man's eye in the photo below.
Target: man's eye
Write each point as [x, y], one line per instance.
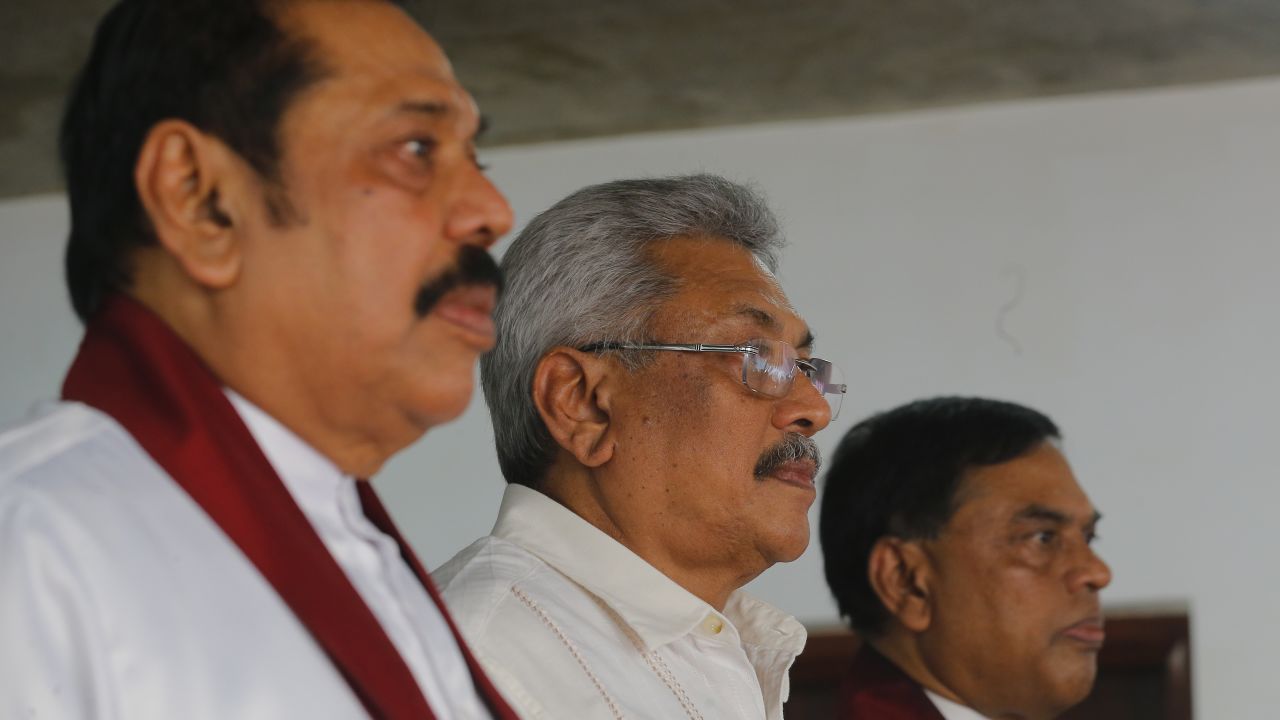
[1092, 536]
[1045, 537]
[419, 149]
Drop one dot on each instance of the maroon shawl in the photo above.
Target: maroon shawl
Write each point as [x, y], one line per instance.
[133, 367]
[876, 689]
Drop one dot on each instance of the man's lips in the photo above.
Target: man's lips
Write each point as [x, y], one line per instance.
[797, 472]
[1088, 632]
[470, 308]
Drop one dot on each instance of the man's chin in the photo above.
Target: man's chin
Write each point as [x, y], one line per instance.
[1074, 676]
[790, 545]
[442, 402]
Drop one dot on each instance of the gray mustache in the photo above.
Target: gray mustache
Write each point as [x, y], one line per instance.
[792, 448]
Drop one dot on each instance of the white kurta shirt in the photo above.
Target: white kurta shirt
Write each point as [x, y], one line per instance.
[952, 710]
[121, 599]
[371, 561]
[570, 623]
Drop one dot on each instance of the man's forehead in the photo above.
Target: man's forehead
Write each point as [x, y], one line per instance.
[775, 321]
[1034, 486]
[436, 105]
[720, 275]
[374, 47]
[758, 300]
[737, 308]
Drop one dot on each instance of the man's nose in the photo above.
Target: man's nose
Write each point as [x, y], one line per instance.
[1092, 574]
[480, 214]
[803, 410]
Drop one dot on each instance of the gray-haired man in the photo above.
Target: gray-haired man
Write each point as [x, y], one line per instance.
[653, 400]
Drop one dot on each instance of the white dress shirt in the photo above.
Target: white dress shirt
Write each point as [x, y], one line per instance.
[121, 599]
[371, 561]
[570, 623]
[952, 710]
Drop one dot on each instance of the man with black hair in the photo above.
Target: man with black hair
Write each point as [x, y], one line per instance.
[957, 543]
[278, 247]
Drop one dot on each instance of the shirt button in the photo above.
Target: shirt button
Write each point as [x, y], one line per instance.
[712, 625]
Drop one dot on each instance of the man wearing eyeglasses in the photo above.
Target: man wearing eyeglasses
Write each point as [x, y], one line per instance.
[653, 400]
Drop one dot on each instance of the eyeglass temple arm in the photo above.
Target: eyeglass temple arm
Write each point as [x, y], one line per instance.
[681, 347]
[811, 364]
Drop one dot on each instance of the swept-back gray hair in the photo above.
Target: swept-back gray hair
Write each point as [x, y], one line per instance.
[580, 272]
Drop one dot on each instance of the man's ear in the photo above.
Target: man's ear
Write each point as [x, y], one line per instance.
[573, 400]
[182, 176]
[899, 573]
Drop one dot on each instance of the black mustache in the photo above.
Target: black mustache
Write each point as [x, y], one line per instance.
[792, 448]
[473, 266]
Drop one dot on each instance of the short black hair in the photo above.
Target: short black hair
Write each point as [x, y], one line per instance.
[225, 66]
[897, 473]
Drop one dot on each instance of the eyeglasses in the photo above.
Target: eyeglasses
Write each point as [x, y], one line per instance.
[768, 366]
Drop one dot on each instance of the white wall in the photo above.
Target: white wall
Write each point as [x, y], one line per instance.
[1124, 243]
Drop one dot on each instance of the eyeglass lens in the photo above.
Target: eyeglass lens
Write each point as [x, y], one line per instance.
[771, 369]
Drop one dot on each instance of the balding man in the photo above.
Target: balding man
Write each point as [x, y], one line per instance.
[278, 246]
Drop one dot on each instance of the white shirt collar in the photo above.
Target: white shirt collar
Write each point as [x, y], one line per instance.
[952, 710]
[657, 608]
[371, 561]
[315, 483]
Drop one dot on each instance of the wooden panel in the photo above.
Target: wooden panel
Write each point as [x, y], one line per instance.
[1144, 671]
